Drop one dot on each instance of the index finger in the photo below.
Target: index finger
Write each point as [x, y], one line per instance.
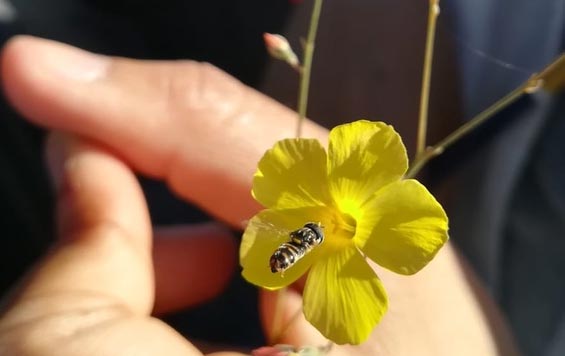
[184, 122]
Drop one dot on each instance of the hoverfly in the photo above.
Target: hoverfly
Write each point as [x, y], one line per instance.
[301, 242]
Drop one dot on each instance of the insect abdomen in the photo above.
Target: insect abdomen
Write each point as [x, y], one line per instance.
[286, 255]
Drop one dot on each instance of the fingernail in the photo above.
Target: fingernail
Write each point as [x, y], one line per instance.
[273, 351]
[69, 62]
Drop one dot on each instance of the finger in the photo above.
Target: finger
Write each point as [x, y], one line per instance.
[192, 264]
[104, 226]
[185, 122]
[283, 320]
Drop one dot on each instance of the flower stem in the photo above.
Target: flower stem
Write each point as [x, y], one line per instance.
[291, 321]
[309, 45]
[433, 13]
[276, 326]
[528, 87]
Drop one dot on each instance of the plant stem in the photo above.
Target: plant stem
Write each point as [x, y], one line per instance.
[307, 66]
[276, 326]
[528, 87]
[433, 13]
[289, 323]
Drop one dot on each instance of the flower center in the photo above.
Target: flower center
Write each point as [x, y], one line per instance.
[341, 229]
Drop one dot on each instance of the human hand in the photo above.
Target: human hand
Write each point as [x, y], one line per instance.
[202, 132]
[94, 292]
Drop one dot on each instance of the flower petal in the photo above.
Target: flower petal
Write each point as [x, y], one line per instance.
[402, 227]
[265, 232]
[292, 174]
[343, 298]
[363, 156]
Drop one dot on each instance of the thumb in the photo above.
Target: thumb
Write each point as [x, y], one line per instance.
[91, 295]
[104, 246]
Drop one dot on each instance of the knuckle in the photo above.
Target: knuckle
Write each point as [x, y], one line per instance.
[202, 89]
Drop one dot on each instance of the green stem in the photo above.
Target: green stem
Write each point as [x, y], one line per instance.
[530, 86]
[433, 13]
[307, 65]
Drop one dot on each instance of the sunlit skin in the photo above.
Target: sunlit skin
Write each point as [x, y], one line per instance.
[57, 87]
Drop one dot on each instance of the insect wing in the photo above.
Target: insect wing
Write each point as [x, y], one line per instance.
[269, 229]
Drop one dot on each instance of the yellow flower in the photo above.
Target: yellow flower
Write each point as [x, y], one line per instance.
[357, 193]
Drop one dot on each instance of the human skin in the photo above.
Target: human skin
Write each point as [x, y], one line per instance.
[202, 132]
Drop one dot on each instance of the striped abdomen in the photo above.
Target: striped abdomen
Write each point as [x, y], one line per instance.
[301, 242]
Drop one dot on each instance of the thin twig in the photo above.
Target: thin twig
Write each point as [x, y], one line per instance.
[528, 87]
[307, 66]
[433, 13]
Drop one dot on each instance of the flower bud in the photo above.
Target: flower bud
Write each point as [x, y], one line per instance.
[279, 48]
